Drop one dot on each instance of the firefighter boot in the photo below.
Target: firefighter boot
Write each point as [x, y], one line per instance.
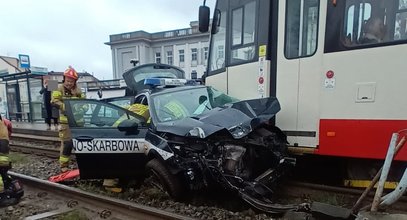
[64, 163]
[111, 185]
[7, 200]
[6, 193]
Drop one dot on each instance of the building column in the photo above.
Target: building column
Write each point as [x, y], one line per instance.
[115, 64]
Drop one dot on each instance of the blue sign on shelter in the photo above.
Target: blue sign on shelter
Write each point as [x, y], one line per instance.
[24, 61]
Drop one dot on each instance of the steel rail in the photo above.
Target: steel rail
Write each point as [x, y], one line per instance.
[295, 187]
[54, 153]
[41, 151]
[115, 206]
[343, 190]
[34, 137]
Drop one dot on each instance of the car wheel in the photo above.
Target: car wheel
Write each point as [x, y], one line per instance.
[161, 177]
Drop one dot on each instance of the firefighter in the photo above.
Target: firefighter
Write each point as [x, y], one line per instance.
[5, 163]
[68, 90]
[112, 185]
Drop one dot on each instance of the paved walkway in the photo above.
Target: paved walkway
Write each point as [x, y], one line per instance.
[29, 125]
[33, 128]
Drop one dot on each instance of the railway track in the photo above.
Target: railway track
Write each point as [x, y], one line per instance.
[292, 188]
[35, 144]
[40, 151]
[91, 205]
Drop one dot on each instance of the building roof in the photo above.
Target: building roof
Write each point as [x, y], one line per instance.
[157, 36]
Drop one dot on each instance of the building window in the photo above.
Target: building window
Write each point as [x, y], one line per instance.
[205, 53]
[182, 32]
[126, 36]
[169, 34]
[169, 58]
[158, 57]
[221, 51]
[181, 56]
[194, 54]
[194, 74]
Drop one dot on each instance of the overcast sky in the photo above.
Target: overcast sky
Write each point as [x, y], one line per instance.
[58, 33]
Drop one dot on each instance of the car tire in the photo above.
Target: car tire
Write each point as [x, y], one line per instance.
[170, 182]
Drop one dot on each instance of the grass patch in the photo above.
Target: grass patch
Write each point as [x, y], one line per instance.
[74, 215]
[90, 185]
[18, 158]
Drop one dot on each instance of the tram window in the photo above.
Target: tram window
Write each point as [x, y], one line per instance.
[400, 26]
[217, 52]
[243, 29]
[374, 22]
[402, 4]
[237, 23]
[355, 19]
[301, 28]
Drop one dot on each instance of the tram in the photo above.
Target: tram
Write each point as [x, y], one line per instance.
[338, 68]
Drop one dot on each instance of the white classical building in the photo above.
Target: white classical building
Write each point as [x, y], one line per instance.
[186, 48]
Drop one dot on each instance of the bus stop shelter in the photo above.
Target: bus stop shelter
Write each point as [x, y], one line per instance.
[24, 102]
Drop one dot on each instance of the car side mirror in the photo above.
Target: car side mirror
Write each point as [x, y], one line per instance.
[128, 125]
[204, 12]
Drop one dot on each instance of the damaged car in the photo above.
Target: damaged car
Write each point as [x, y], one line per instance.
[188, 136]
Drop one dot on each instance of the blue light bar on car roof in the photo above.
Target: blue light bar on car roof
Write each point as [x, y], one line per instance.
[164, 82]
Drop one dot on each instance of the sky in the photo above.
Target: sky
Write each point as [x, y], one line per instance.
[59, 33]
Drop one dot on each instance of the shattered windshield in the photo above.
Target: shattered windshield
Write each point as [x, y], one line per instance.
[188, 103]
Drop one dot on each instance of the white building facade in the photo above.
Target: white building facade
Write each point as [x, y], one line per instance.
[185, 48]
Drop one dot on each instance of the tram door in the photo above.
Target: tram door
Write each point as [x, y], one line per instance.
[298, 70]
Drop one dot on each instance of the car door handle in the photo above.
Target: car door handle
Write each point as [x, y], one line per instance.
[84, 138]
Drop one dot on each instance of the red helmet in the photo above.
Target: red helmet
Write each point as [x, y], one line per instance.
[71, 73]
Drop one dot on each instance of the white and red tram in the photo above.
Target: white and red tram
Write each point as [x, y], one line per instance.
[338, 68]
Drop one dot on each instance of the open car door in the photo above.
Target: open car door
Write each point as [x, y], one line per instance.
[108, 140]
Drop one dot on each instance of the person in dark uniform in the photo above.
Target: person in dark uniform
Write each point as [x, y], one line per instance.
[49, 112]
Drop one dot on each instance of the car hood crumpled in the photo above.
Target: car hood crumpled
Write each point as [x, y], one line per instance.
[239, 119]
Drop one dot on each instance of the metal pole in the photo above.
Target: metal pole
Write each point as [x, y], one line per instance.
[385, 172]
[355, 208]
[30, 109]
[396, 193]
[7, 101]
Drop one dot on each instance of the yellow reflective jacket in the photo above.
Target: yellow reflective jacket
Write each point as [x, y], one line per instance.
[139, 109]
[58, 97]
[4, 147]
